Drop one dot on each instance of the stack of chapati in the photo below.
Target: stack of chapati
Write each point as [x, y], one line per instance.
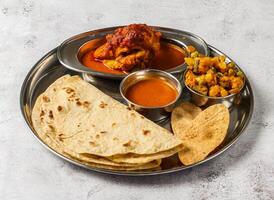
[78, 120]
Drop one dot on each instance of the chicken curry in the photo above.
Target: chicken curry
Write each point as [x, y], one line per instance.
[136, 46]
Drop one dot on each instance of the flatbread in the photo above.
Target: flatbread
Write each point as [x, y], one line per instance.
[88, 158]
[91, 126]
[154, 165]
[101, 162]
[182, 117]
[203, 134]
[134, 158]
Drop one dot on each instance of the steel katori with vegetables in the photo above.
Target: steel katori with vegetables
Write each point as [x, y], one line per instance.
[212, 76]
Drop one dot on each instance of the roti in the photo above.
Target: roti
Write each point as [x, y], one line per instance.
[88, 158]
[203, 133]
[134, 158]
[103, 163]
[90, 126]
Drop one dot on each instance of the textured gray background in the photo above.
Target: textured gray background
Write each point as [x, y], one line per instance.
[242, 29]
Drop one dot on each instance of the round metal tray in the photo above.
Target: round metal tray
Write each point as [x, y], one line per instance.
[48, 69]
[67, 52]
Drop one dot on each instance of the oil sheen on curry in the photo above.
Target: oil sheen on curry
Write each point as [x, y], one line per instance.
[136, 46]
[154, 92]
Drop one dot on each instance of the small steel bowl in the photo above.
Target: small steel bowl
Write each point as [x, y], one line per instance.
[153, 113]
[204, 100]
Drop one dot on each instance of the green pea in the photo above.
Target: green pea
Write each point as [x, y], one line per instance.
[219, 74]
[240, 74]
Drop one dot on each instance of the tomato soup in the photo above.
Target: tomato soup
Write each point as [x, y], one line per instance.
[169, 56]
[152, 92]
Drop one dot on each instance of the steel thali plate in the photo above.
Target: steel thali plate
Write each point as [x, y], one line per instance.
[48, 69]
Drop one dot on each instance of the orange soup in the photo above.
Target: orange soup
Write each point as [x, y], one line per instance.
[168, 57]
[151, 92]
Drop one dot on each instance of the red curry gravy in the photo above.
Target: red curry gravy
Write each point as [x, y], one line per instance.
[170, 56]
[152, 92]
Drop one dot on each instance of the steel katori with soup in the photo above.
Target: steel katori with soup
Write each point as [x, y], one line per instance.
[152, 92]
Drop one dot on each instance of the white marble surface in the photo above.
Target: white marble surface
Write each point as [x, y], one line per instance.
[243, 29]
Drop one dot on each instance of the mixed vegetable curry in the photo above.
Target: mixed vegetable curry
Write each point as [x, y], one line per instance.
[212, 76]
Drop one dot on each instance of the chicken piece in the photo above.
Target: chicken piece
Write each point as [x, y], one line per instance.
[101, 52]
[127, 62]
[132, 46]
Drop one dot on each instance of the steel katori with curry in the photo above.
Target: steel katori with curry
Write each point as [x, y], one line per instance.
[212, 76]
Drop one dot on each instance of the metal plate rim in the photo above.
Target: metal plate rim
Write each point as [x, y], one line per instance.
[128, 173]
